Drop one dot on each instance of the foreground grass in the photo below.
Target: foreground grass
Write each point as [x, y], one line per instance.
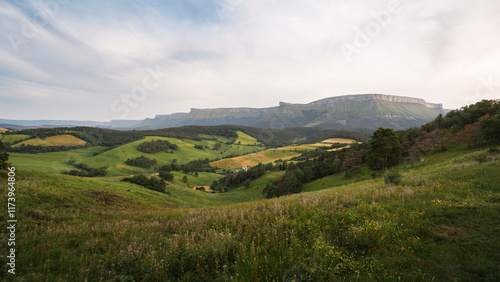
[441, 224]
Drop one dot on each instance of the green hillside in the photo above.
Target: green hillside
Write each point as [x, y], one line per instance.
[59, 140]
[14, 138]
[445, 212]
[115, 158]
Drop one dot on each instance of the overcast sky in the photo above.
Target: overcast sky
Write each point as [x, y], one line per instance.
[103, 60]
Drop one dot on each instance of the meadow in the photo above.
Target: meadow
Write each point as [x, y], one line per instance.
[441, 223]
[59, 140]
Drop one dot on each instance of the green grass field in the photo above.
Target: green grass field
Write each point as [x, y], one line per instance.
[440, 224]
[245, 139]
[13, 138]
[115, 158]
[59, 140]
[52, 162]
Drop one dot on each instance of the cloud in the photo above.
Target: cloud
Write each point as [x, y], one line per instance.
[82, 57]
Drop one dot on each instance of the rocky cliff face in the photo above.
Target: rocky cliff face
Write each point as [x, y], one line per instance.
[349, 111]
[383, 97]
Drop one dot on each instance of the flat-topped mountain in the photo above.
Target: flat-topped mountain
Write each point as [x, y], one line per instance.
[363, 111]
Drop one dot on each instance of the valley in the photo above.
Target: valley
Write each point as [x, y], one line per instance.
[235, 202]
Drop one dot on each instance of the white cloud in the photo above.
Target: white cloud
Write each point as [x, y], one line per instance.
[256, 54]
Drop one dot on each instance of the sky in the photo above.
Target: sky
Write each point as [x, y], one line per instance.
[105, 60]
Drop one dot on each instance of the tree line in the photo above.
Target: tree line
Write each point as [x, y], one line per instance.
[156, 146]
[84, 170]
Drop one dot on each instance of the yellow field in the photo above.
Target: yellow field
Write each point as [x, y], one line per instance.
[339, 140]
[272, 155]
[305, 147]
[264, 157]
[59, 140]
[324, 143]
[2, 130]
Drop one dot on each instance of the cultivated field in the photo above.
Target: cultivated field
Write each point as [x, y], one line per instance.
[59, 140]
[264, 157]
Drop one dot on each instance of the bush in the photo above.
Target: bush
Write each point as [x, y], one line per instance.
[481, 158]
[493, 151]
[392, 178]
[167, 176]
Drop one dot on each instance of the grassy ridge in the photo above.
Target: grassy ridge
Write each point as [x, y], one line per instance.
[441, 223]
[13, 138]
[59, 140]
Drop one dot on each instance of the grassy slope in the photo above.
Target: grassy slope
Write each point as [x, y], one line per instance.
[115, 158]
[51, 162]
[14, 137]
[245, 139]
[59, 140]
[441, 224]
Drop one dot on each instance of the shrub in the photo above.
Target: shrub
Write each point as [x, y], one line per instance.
[493, 151]
[481, 158]
[167, 176]
[392, 178]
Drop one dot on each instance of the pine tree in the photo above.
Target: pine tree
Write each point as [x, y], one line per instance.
[384, 149]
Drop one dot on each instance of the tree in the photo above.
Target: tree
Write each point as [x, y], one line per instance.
[4, 157]
[185, 179]
[490, 126]
[217, 146]
[442, 137]
[471, 135]
[166, 175]
[384, 149]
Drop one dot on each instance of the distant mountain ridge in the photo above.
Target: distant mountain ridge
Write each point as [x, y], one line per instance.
[361, 111]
